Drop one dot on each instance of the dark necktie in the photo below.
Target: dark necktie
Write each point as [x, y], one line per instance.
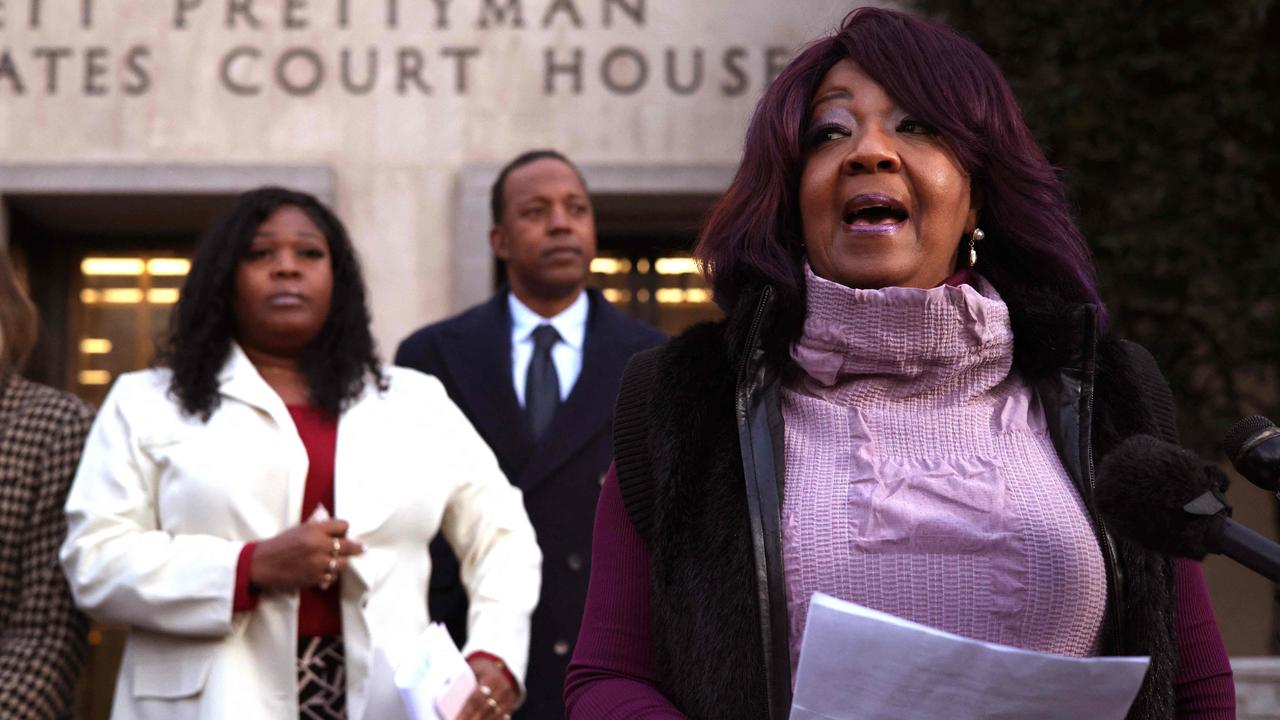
[541, 384]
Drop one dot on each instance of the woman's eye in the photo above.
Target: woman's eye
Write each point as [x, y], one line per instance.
[827, 133]
[916, 127]
[255, 254]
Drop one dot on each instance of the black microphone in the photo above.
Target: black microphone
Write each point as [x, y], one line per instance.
[1253, 445]
[1168, 500]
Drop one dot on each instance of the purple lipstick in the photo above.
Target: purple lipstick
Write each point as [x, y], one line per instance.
[873, 213]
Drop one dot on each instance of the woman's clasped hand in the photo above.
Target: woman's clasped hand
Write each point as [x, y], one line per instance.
[311, 554]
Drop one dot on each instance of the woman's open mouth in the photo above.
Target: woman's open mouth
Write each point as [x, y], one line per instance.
[285, 300]
[873, 212]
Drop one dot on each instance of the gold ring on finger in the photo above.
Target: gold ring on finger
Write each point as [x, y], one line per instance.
[337, 546]
[485, 690]
[492, 703]
[326, 580]
[333, 567]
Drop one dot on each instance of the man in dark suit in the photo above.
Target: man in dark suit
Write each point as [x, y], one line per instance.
[536, 370]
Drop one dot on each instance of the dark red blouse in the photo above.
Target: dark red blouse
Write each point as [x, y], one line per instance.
[319, 611]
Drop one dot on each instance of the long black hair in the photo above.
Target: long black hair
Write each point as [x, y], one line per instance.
[336, 363]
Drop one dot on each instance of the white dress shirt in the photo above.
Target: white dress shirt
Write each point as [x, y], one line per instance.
[571, 323]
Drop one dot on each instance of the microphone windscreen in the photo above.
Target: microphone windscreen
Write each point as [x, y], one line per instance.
[1143, 484]
[1241, 432]
[1253, 446]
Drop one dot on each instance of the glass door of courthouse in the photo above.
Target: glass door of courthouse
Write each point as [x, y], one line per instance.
[120, 305]
[643, 264]
[104, 272]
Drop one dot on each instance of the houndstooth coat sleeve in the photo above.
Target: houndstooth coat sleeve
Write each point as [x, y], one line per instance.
[42, 635]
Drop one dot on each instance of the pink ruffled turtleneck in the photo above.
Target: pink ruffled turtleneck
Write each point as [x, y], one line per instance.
[920, 477]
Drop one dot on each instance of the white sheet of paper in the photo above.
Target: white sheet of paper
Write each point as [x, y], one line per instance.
[383, 700]
[426, 671]
[856, 662]
[405, 681]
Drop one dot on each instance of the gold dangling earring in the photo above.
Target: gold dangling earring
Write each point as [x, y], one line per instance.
[975, 237]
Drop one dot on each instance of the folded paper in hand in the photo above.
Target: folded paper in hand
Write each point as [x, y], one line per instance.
[430, 680]
[856, 662]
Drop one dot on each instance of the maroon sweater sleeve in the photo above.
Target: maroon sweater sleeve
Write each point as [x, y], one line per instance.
[1204, 685]
[246, 595]
[611, 674]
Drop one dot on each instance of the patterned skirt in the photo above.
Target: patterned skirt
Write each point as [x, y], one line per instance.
[322, 679]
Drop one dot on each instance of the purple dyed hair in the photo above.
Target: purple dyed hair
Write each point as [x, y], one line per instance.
[1034, 254]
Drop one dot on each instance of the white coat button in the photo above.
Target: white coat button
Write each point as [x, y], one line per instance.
[575, 562]
[560, 648]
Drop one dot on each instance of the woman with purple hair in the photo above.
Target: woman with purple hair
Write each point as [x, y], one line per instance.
[902, 408]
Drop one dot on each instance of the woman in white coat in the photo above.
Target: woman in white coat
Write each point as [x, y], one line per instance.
[258, 507]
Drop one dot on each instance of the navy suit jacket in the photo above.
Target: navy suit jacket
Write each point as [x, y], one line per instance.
[560, 476]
